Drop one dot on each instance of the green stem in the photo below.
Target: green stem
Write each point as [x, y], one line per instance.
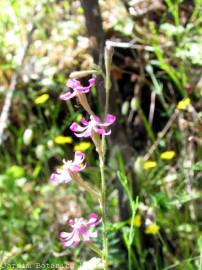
[77, 178]
[103, 207]
[108, 60]
[131, 236]
[94, 248]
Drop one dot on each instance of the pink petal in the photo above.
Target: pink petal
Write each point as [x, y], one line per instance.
[72, 240]
[86, 89]
[68, 95]
[65, 235]
[110, 119]
[93, 220]
[79, 157]
[83, 89]
[69, 242]
[94, 234]
[53, 178]
[96, 119]
[71, 222]
[92, 82]
[72, 83]
[84, 134]
[78, 168]
[76, 236]
[100, 131]
[75, 127]
[84, 122]
[61, 177]
[86, 236]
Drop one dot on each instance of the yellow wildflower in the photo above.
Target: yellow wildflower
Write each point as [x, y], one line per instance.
[167, 155]
[63, 139]
[41, 99]
[152, 229]
[183, 104]
[137, 221]
[82, 146]
[149, 164]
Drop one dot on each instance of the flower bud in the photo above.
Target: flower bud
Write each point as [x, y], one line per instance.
[27, 136]
[125, 108]
[134, 104]
[39, 151]
[50, 144]
[138, 165]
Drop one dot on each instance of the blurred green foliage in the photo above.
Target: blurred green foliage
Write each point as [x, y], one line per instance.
[32, 211]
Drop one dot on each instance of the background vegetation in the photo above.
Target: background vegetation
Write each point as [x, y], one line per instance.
[156, 63]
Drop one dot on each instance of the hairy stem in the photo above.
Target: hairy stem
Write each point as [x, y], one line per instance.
[103, 207]
[77, 178]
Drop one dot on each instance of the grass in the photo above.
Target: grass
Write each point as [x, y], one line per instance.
[32, 211]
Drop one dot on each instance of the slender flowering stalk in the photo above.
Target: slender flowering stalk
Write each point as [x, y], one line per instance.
[69, 172]
[97, 130]
[79, 91]
[108, 61]
[80, 231]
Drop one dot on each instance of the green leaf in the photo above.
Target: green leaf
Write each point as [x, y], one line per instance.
[198, 166]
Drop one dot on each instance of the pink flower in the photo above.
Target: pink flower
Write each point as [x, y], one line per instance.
[93, 126]
[80, 231]
[77, 88]
[69, 170]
